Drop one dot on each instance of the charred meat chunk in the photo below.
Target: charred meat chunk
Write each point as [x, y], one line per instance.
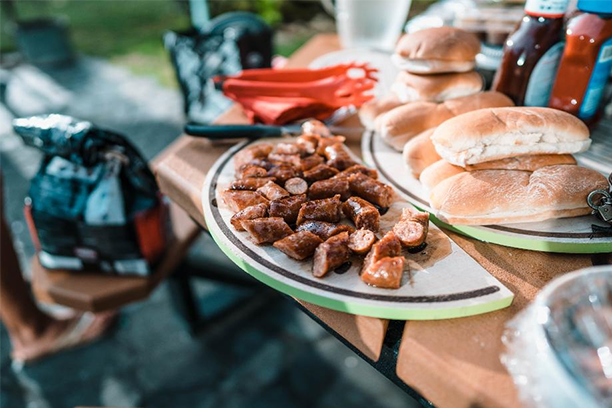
[272, 191]
[290, 159]
[319, 172]
[412, 227]
[323, 229]
[361, 241]
[358, 168]
[338, 157]
[251, 170]
[296, 186]
[329, 188]
[309, 162]
[288, 208]
[308, 142]
[331, 254]
[388, 246]
[385, 273]
[238, 200]
[250, 183]
[283, 172]
[267, 230]
[315, 127]
[287, 148]
[372, 190]
[327, 209]
[249, 213]
[300, 245]
[328, 141]
[362, 213]
[247, 155]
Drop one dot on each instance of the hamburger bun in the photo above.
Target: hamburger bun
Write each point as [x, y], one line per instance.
[436, 88]
[437, 50]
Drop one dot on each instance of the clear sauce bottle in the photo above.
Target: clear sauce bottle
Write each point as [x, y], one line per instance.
[587, 61]
[532, 53]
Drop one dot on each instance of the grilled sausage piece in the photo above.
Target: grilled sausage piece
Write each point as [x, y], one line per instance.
[372, 190]
[287, 208]
[272, 191]
[309, 162]
[358, 168]
[331, 254]
[300, 245]
[388, 246]
[250, 183]
[308, 142]
[361, 241]
[296, 186]
[283, 172]
[250, 170]
[267, 230]
[412, 228]
[287, 148]
[385, 273]
[319, 172]
[249, 213]
[327, 209]
[315, 127]
[323, 229]
[329, 188]
[362, 213]
[328, 141]
[290, 159]
[338, 157]
[257, 151]
[238, 200]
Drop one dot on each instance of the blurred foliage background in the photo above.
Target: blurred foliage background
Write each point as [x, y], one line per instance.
[129, 32]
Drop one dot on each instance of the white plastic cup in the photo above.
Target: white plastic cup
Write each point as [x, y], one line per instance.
[372, 24]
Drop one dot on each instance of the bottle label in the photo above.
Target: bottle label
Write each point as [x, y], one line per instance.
[546, 8]
[543, 77]
[597, 83]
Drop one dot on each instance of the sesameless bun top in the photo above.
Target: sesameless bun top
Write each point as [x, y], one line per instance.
[497, 133]
[439, 43]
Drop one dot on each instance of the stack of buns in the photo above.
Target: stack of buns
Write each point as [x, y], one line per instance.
[482, 160]
[437, 81]
[508, 165]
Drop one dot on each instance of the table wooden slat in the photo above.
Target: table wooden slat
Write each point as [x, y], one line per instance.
[456, 362]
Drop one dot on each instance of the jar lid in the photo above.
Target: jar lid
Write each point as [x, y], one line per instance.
[595, 6]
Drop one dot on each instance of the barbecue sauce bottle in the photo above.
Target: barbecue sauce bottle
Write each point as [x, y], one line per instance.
[532, 53]
[586, 63]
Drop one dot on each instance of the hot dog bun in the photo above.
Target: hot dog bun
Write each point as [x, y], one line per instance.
[492, 134]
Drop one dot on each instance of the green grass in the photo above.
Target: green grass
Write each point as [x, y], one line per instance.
[126, 32]
[129, 32]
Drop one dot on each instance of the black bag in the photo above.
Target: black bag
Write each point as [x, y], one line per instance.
[232, 42]
[94, 203]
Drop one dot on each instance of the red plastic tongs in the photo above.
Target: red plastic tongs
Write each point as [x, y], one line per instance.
[275, 96]
[332, 86]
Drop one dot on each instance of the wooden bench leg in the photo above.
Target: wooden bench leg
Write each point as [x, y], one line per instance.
[184, 300]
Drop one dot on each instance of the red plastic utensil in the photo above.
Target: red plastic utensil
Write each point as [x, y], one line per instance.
[278, 96]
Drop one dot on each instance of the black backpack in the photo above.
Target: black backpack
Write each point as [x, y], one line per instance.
[230, 43]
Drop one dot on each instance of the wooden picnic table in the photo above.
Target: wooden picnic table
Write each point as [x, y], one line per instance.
[452, 363]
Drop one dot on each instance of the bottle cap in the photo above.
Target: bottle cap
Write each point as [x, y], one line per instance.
[595, 6]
